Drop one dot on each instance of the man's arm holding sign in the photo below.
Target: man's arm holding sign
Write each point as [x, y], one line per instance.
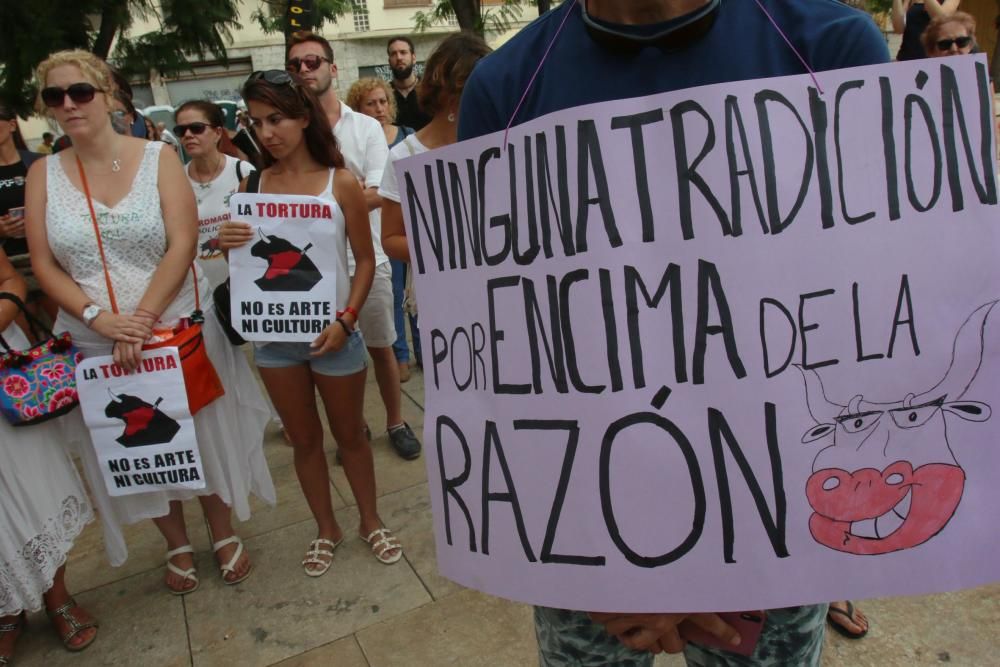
[760, 40]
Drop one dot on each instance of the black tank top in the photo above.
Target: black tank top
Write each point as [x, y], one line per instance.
[917, 20]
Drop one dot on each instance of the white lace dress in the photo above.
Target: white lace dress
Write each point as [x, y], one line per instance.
[230, 429]
[43, 506]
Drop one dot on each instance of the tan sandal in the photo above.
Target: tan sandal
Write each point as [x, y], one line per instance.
[75, 626]
[188, 574]
[18, 627]
[381, 541]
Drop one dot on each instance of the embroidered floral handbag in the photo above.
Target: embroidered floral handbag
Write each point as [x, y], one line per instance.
[37, 384]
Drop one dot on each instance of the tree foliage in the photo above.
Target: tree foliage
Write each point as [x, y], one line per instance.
[271, 13]
[32, 30]
[472, 15]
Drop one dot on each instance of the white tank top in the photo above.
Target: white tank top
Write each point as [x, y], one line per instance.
[337, 218]
[132, 232]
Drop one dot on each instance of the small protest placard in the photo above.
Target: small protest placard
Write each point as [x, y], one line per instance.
[140, 424]
[726, 348]
[284, 282]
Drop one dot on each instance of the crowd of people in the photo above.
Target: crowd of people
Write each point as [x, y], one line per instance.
[112, 239]
[151, 251]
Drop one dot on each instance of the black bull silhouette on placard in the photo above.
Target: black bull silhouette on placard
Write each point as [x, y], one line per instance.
[145, 423]
[288, 268]
[888, 480]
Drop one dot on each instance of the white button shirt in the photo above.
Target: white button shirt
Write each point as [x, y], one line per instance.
[365, 150]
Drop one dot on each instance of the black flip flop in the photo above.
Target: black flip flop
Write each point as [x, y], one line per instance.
[849, 614]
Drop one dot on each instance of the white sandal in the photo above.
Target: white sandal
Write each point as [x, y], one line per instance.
[386, 542]
[188, 574]
[231, 565]
[313, 556]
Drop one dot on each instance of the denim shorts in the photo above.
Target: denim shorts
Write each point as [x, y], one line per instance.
[348, 360]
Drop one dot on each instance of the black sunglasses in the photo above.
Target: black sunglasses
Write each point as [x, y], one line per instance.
[194, 128]
[80, 93]
[275, 77]
[312, 63]
[960, 42]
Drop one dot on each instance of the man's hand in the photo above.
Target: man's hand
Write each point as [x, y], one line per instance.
[661, 632]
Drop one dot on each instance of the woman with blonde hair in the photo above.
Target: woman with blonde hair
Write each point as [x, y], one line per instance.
[373, 97]
[952, 35]
[113, 227]
[910, 19]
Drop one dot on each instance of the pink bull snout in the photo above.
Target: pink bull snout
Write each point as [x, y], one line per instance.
[906, 507]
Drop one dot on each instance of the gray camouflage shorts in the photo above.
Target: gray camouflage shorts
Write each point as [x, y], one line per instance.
[792, 636]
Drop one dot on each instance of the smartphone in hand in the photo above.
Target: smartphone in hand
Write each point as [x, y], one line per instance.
[16, 213]
[748, 623]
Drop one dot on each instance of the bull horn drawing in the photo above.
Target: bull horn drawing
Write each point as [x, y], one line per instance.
[821, 408]
[114, 397]
[262, 237]
[966, 358]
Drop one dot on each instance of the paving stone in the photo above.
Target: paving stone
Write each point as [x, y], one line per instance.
[279, 612]
[87, 565]
[290, 508]
[467, 629]
[341, 653]
[141, 624]
[958, 628]
[408, 513]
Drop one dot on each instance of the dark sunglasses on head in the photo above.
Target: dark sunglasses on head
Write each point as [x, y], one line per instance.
[312, 63]
[195, 128]
[80, 93]
[275, 77]
[960, 42]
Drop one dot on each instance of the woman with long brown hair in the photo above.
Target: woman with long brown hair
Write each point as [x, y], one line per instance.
[301, 157]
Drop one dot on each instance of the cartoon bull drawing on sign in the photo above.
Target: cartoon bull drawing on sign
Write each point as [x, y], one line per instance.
[145, 423]
[288, 267]
[889, 480]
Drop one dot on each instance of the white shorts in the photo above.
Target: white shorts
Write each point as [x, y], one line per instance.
[375, 318]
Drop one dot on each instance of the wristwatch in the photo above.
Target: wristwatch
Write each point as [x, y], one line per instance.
[90, 313]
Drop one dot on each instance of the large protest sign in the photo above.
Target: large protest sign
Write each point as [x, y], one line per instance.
[140, 423]
[284, 282]
[726, 348]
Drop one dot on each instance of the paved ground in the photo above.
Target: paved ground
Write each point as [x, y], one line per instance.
[365, 614]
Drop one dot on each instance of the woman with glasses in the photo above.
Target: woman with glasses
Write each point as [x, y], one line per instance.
[214, 177]
[301, 157]
[43, 509]
[114, 217]
[373, 97]
[953, 35]
[910, 19]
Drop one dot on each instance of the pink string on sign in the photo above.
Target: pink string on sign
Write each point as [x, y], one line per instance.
[534, 76]
[790, 45]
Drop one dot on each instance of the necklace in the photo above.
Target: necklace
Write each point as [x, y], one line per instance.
[116, 162]
[205, 185]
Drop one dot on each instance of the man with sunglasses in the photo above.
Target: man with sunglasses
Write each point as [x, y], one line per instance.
[603, 50]
[366, 152]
